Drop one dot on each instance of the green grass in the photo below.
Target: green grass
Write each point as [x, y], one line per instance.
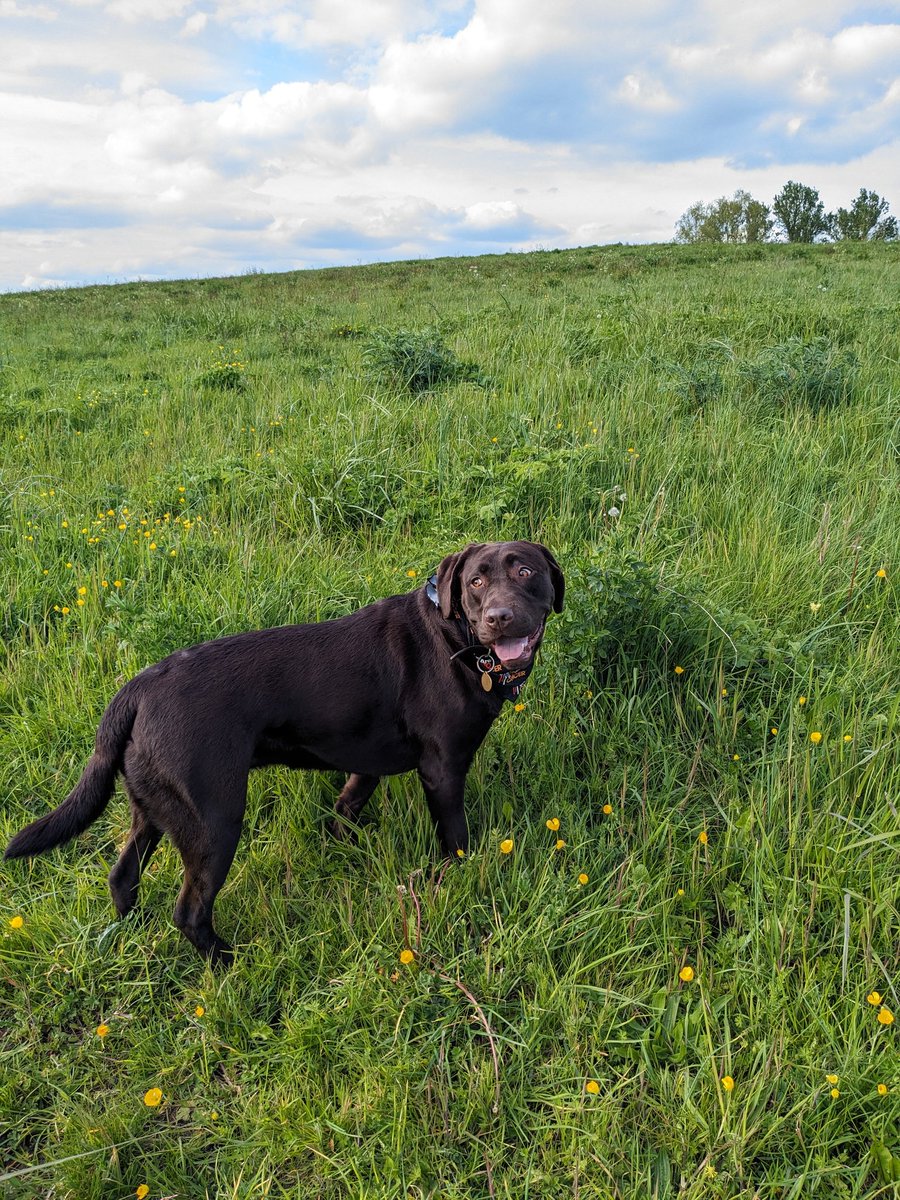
[267, 467]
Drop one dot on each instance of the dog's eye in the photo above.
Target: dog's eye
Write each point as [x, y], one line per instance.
[477, 582]
[525, 572]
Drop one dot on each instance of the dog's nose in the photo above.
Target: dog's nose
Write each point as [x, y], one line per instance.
[497, 618]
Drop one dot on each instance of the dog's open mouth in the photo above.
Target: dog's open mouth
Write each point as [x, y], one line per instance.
[513, 652]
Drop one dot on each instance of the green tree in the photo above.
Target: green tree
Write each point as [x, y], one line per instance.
[800, 213]
[865, 220]
[738, 219]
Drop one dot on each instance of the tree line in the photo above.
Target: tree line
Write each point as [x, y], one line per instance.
[797, 214]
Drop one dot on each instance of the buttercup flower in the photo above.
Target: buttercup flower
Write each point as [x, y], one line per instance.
[406, 957]
[832, 1079]
[141, 1191]
[607, 809]
[703, 837]
[582, 879]
[506, 846]
[834, 1093]
[592, 1087]
[102, 1031]
[16, 922]
[679, 670]
[199, 1011]
[885, 1016]
[727, 1083]
[882, 1089]
[686, 974]
[874, 998]
[815, 737]
[560, 844]
[153, 1097]
[552, 824]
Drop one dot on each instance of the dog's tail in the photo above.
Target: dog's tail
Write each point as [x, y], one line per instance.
[91, 794]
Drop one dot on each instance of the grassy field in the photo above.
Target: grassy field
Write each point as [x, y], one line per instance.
[693, 995]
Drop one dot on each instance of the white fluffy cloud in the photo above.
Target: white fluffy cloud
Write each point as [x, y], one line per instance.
[175, 137]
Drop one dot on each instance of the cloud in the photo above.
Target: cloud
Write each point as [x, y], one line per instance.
[219, 133]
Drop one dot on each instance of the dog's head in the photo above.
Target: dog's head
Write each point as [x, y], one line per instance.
[505, 590]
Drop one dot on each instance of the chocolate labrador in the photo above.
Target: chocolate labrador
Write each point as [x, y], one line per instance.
[411, 682]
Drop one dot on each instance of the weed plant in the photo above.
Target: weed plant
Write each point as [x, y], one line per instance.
[669, 965]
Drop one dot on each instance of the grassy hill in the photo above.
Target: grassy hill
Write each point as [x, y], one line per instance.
[707, 440]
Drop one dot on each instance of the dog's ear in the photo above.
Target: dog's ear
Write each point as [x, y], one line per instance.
[449, 585]
[556, 577]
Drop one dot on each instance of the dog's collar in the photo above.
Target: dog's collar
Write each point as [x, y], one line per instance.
[494, 676]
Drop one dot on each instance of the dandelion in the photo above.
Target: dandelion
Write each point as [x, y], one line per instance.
[582, 879]
[406, 957]
[141, 1191]
[153, 1097]
[592, 1087]
[679, 670]
[815, 737]
[102, 1031]
[506, 846]
[703, 837]
[552, 824]
[727, 1083]
[885, 1016]
[686, 974]
[882, 1089]
[874, 998]
[16, 922]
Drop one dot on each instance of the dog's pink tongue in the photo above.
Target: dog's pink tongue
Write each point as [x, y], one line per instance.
[509, 649]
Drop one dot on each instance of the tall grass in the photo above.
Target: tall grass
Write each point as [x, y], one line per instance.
[185, 460]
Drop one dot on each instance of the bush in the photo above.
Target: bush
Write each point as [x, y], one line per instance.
[418, 360]
[798, 371]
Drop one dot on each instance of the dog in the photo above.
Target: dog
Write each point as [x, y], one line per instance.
[410, 682]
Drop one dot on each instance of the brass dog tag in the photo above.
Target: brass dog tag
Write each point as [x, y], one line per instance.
[486, 682]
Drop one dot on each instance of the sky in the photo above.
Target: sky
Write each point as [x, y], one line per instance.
[160, 139]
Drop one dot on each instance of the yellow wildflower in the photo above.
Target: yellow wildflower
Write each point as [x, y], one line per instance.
[582, 879]
[102, 1031]
[815, 737]
[885, 1016]
[552, 824]
[16, 922]
[727, 1083]
[686, 974]
[406, 957]
[153, 1097]
[506, 846]
[874, 998]
[592, 1087]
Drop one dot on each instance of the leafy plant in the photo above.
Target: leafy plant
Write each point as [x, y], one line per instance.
[417, 360]
[799, 371]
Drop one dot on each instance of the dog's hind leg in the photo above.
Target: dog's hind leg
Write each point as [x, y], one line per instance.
[352, 800]
[207, 855]
[126, 874]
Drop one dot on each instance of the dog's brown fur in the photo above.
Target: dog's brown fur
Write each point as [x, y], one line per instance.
[377, 692]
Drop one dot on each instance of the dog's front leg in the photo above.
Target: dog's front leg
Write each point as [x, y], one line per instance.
[443, 783]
